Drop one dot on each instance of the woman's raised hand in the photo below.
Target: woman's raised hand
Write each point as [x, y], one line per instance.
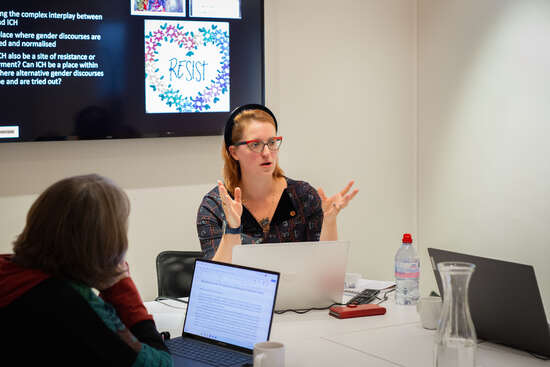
[233, 208]
[333, 205]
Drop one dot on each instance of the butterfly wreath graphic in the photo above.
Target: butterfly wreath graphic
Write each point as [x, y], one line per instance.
[186, 66]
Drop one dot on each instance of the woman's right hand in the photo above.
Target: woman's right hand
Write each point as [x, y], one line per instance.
[233, 208]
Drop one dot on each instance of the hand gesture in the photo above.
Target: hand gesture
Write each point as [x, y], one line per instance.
[333, 205]
[233, 208]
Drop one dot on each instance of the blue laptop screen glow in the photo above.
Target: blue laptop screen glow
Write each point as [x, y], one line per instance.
[230, 304]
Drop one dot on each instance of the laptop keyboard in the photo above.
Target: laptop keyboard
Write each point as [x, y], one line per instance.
[204, 352]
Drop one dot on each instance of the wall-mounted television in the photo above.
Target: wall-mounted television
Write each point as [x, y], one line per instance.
[80, 69]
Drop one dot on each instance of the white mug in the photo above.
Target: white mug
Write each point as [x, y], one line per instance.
[429, 309]
[351, 279]
[269, 354]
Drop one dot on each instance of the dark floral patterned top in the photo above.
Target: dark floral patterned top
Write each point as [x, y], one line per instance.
[298, 218]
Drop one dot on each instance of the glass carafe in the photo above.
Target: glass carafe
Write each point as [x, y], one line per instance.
[455, 340]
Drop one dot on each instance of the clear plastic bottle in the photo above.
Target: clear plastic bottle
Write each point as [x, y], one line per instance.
[407, 272]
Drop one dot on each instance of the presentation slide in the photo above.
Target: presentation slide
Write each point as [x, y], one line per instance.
[215, 8]
[34, 58]
[82, 69]
[158, 8]
[186, 66]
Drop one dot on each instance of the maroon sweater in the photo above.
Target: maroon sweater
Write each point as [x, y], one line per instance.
[45, 321]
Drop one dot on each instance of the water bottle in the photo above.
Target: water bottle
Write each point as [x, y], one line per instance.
[407, 272]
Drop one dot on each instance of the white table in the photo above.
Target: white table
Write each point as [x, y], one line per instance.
[317, 339]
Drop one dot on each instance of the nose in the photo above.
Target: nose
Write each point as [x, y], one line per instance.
[265, 150]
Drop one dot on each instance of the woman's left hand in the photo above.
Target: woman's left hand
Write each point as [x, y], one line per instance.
[333, 205]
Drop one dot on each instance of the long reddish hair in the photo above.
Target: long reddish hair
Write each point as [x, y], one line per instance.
[231, 168]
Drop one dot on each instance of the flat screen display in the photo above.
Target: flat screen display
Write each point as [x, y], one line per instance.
[78, 69]
[231, 304]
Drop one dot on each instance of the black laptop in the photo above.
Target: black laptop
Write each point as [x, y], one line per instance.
[230, 309]
[505, 302]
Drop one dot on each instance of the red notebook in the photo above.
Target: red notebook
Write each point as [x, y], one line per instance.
[345, 312]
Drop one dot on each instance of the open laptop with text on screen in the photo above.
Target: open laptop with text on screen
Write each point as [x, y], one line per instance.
[505, 302]
[230, 309]
[312, 273]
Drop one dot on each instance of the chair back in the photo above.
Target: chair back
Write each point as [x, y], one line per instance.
[175, 272]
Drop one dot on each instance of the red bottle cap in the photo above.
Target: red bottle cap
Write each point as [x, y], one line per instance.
[407, 238]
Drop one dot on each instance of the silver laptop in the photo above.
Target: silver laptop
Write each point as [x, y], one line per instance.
[230, 309]
[505, 302]
[312, 273]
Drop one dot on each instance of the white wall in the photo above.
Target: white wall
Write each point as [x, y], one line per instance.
[483, 131]
[341, 78]
[164, 178]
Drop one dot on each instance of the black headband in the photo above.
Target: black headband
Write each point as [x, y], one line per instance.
[231, 120]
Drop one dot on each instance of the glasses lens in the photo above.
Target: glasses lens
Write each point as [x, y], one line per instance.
[256, 146]
[274, 144]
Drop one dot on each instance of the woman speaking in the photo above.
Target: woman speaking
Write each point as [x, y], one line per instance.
[256, 203]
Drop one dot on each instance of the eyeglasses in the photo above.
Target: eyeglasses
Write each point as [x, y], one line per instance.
[257, 146]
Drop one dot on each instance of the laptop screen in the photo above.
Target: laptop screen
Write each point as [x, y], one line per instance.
[231, 304]
[312, 273]
[505, 302]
